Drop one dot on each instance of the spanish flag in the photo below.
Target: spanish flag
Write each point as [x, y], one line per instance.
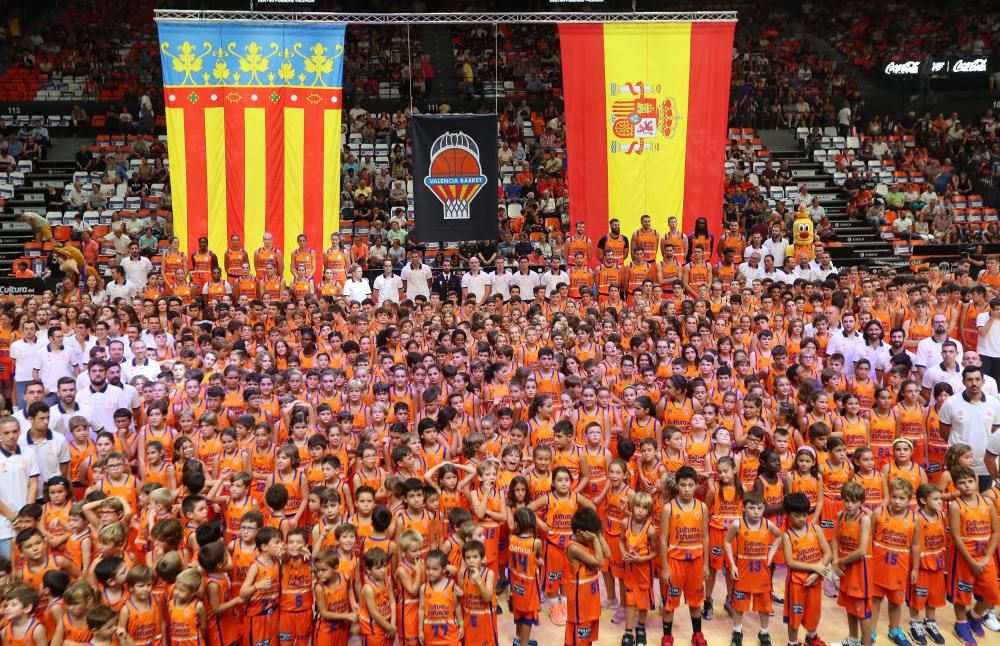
[253, 130]
[646, 112]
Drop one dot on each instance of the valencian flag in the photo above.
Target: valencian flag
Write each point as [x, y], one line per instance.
[253, 127]
[455, 177]
[646, 111]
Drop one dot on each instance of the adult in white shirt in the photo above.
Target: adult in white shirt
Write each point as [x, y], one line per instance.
[20, 480]
[119, 287]
[875, 350]
[26, 353]
[137, 268]
[970, 418]
[356, 288]
[33, 392]
[65, 407]
[50, 449]
[417, 277]
[751, 269]
[803, 270]
[847, 341]
[101, 398]
[500, 279]
[971, 358]
[988, 345]
[825, 267]
[476, 283]
[525, 279]
[776, 246]
[387, 285]
[554, 277]
[947, 370]
[56, 362]
[929, 349]
[140, 364]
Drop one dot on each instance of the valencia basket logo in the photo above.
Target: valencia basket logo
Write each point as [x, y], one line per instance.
[456, 173]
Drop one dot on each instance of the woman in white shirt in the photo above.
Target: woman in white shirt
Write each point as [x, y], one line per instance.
[95, 290]
[356, 288]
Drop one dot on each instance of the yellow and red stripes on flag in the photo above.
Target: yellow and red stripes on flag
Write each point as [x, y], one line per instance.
[247, 165]
[253, 116]
[646, 110]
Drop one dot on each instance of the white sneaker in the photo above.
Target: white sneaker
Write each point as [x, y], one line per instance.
[991, 622]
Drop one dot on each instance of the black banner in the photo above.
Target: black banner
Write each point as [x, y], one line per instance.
[455, 177]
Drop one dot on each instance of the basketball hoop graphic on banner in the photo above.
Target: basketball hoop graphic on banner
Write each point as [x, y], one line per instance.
[456, 174]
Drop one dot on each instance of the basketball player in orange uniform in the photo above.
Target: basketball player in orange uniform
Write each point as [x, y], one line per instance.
[683, 546]
[525, 549]
[262, 589]
[852, 561]
[645, 241]
[235, 259]
[295, 607]
[807, 554]
[268, 254]
[440, 612]
[750, 545]
[975, 531]
[895, 548]
[586, 554]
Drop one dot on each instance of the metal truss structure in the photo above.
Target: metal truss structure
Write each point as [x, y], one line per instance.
[443, 18]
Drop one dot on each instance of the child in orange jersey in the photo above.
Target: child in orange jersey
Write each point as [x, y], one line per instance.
[683, 550]
[111, 573]
[377, 614]
[55, 513]
[904, 468]
[37, 560]
[141, 616]
[261, 589]
[866, 475]
[807, 554]
[440, 611]
[852, 564]
[895, 552]
[22, 628]
[750, 545]
[408, 578]
[927, 594]
[526, 566]
[616, 500]
[185, 612]
[834, 474]
[560, 504]
[295, 606]
[324, 531]
[957, 455]
[488, 509]
[639, 543]
[54, 585]
[478, 586]
[975, 531]
[724, 499]
[349, 566]
[804, 479]
[937, 446]
[105, 631]
[78, 598]
[275, 502]
[237, 503]
[586, 554]
[334, 601]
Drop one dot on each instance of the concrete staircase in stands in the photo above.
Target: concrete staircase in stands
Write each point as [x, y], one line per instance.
[860, 242]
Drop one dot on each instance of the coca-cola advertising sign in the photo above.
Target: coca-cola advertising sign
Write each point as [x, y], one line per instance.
[902, 68]
[964, 66]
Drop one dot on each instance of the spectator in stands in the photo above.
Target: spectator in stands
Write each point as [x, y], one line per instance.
[54, 199]
[85, 161]
[116, 237]
[8, 163]
[91, 248]
[126, 122]
[32, 150]
[377, 252]
[40, 134]
[78, 117]
[816, 210]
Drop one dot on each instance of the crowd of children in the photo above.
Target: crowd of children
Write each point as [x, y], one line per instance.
[334, 472]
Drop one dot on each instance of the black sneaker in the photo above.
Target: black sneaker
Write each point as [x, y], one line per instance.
[640, 635]
[764, 639]
[737, 639]
[628, 639]
[775, 599]
[499, 610]
[707, 611]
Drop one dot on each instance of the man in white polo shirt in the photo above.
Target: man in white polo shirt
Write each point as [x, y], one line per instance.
[970, 418]
[50, 449]
[929, 349]
[476, 283]
[19, 475]
[101, 398]
[26, 353]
